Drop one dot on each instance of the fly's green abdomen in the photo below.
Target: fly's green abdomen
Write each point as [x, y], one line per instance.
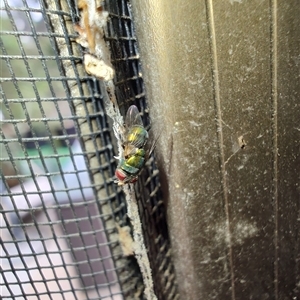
[134, 163]
[130, 170]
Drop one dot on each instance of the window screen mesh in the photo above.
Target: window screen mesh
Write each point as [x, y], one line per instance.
[61, 210]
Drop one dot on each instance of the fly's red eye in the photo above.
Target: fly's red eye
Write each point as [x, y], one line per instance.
[120, 174]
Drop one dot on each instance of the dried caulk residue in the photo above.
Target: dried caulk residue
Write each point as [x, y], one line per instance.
[140, 250]
[91, 28]
[91, 36]
[97, 63]
[126, 240]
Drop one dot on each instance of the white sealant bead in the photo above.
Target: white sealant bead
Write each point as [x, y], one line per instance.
[98, 68]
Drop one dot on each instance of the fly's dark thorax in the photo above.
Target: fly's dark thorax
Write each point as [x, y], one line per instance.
[137, 136]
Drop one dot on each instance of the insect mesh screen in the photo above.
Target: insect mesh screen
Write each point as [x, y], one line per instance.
[63, 218]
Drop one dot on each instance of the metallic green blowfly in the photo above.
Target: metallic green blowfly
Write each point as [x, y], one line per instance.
[136, 137]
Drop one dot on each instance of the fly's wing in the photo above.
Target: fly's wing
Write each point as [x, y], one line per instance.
[133, 117]
[151, 149]
[136, 134]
